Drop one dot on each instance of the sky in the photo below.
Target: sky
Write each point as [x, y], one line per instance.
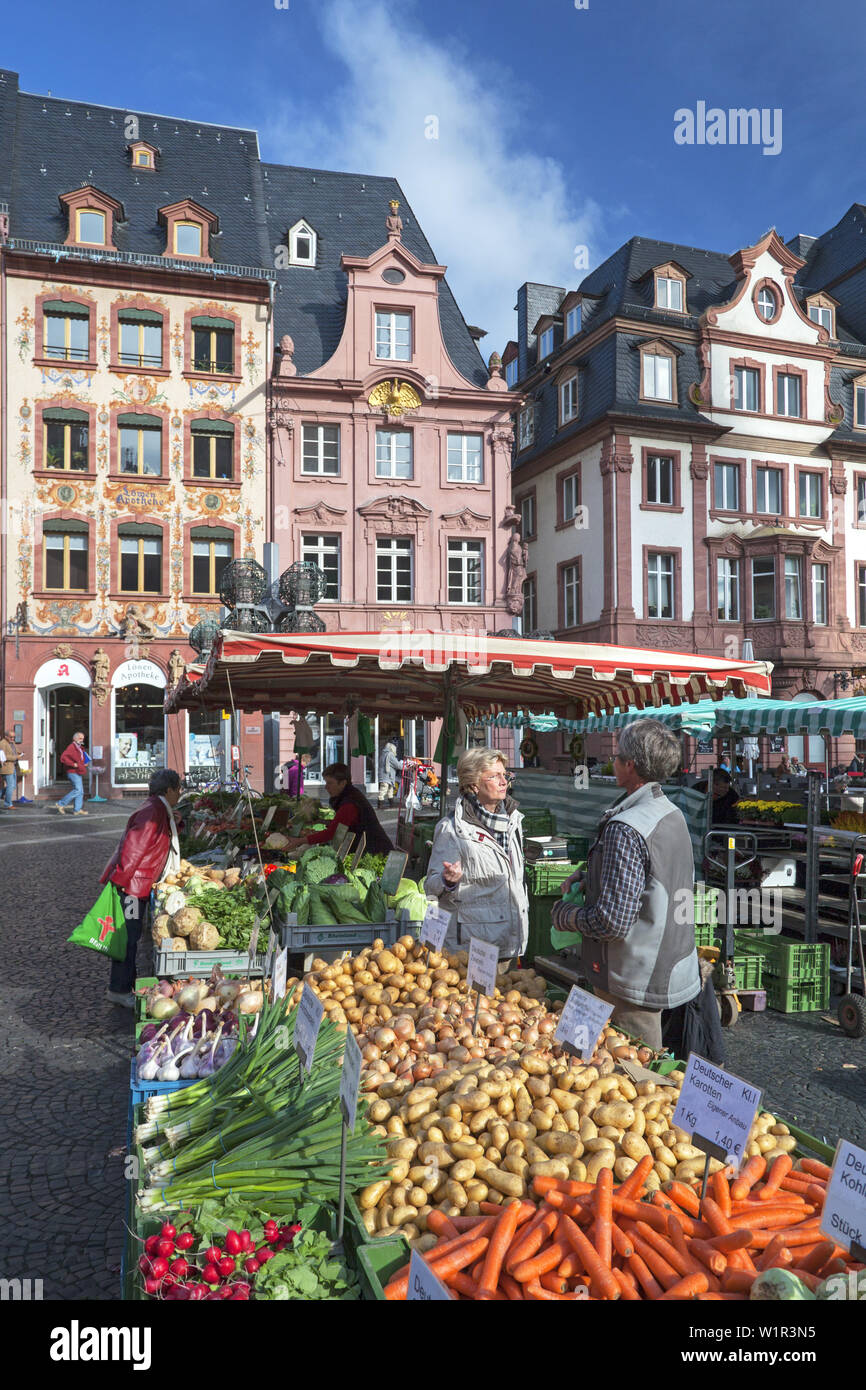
[531, 137]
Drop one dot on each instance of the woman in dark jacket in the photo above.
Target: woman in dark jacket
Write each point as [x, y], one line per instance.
[149, 849]
[351, 808]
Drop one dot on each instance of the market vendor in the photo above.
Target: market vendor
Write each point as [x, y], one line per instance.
[725, 797]
[351, 808]
[638, 942]
[150, 849]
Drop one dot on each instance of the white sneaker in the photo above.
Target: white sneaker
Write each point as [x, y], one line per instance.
[125, 1001]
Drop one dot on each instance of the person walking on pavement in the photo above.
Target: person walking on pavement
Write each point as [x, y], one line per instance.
[476, 865]
[390, 768]
[8, 758]
[638, 941]
[74, 760]
[149, 850]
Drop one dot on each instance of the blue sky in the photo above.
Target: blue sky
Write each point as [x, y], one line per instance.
[555, 125]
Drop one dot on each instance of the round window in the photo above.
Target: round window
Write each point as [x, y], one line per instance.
[767, 303]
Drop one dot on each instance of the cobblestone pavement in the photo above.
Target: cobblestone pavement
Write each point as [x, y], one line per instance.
[64, 1060]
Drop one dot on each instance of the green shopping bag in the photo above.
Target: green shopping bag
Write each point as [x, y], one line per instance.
[104, 927]
[561, 940]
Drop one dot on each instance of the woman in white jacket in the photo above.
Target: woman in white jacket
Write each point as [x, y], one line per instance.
[476, 863]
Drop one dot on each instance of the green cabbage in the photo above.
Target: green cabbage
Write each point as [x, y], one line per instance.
[781, 1286]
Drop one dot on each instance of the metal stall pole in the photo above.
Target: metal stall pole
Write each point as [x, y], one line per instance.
[813, 857]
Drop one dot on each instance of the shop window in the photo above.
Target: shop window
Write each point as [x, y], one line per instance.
[204, 739]
[65, 440]
[139, 733]
[65, 556]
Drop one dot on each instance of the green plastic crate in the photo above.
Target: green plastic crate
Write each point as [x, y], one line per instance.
[797, 996]
[786, 959]
[538, 941]
[377, 1262]
[548, 876]
[747, 969]
[705, 935]
[706, 904]
[538, 822]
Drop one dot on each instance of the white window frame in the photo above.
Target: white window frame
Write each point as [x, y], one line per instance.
[302, 229]
[545, 344]
[511, 370]
[392, 463]
[814, 491]
[573, 321]
[570, 496]
[654, 477]
[742, 376]
[762, 488]
[530, 604]
[665, 296]
[821, 595]
[571, 596]
[793, 571]
[788, 383]
[458, 468]
[661, 566]
[307, 429]
[527, 509]
[526, 427]
[387, 328]
[390, 548]
[729, 470]
[652, 372]
[727, 590]
[820, 314]
[761, 301]
[317, 546]
[569, 399]
[761, 559]
[860, 502]
[861, 595]
[860, 405]
[465, 551]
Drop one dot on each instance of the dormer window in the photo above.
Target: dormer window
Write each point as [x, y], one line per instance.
[189, 228]
[91, 217]
[302, 244]
[670, 287]
[545, 344]
[573, 321]
[511, 372]
[822, 311]
[658, 372]
[142, 155]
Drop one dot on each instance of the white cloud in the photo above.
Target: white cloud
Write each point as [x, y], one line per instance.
[495, 210]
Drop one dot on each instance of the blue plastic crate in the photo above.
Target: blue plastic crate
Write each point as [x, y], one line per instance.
[140, 1091]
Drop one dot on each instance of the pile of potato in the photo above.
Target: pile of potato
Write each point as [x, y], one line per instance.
[481, 1133]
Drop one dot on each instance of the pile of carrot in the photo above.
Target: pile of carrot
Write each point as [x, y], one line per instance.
[597, 1241]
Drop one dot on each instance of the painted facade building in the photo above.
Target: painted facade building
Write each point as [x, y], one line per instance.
[689, 460]
[136, 344]
[391, 438]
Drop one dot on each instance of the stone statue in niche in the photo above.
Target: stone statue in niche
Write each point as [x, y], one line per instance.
[176, 667]
[394, 222]
[287, 349]
[101, 665]
[516, 560]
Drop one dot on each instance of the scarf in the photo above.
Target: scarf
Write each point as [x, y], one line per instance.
[497, 822]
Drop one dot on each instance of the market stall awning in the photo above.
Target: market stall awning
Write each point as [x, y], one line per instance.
[415, 674]
[704, 719]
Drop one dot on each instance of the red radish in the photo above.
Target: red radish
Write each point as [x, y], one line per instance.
[264, 1255]
[225, 1291]
[197, 1293]
[240, 1286]
[159, 1268]
[185, 1240]
[279, 1245]
[233, 1243]
[168, 1281]
[145, 1264]
[240, 1298]
[226, 1266]
[210, 1274]
[213, 1254]
[150, 1245]
[165, 1248]
[252, 1265]
[179, 1267]
[152, 1286]
[168, 1231]
[246, 1240]
[271, 1228]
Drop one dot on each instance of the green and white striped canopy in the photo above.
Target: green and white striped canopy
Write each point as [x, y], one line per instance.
[711, 718]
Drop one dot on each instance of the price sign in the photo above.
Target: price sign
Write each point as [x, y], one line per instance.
[844, 1214]
[350, 1080]
[717, 1109]
[434, 928]
[423, 1283]
[269, 815]
[341, 834]
[359, 850]
[272, 943]
[393, 870]
[483, 963]
[581, 1022]
[280, 974]
[307, 1024]
[254, 938]
[232, 852]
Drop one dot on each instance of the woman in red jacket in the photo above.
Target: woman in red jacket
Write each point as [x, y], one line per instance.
[149, 849]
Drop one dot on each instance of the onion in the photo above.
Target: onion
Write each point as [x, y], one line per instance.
[405, 1067]
[393, 1058]
[149, 1031]
[530, 1036]
[384, 1037]
[404, 1027]
[189, 999]
[547, 1025]
[166, 988]
[227, 991]
[161, 1008]
[250, 1002]
[459, 1054]
[370, 1053]
[422, 1070]
[425, 1039]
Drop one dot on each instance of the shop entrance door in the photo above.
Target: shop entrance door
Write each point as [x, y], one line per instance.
[68, 712]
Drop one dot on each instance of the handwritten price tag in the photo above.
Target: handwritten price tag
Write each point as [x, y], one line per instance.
[350, 1080]
[254, 938]
[434, 928]
[717, 1109]
[581, 1022]
[280, 974]
[424, 1287]
[844, 1214]
[310, 1013]
[483, 964]
[269, 815]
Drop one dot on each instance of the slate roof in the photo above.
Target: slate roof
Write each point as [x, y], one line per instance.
[76, 143]
[347, 212]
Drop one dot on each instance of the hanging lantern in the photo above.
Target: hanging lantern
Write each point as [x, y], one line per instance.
[302, 585]
[243, 582]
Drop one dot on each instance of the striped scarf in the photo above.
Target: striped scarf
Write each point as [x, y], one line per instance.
[497, 822]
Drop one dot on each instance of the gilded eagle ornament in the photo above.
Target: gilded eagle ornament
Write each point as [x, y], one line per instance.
[394, 397]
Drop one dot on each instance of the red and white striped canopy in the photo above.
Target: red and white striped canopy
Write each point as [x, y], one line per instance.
[413, 673]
